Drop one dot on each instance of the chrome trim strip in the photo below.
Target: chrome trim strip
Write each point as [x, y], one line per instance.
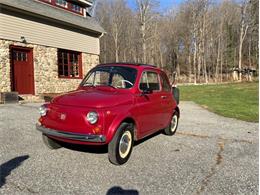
[72, 136]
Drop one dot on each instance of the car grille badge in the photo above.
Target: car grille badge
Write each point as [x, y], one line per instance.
[63, 117]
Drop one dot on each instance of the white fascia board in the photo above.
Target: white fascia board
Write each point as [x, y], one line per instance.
[86, 2]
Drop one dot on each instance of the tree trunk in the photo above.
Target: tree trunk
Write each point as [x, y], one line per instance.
[143, 43]
[199, 62]
[105, 51]
[161, 60]
[221, 67]
[249, 54]
[240, 56]
[218, 62]
[178, 71]
[235, 57]
[116, 48]
[205, 71]
[194, 62]
[189, 67]
[243, 31]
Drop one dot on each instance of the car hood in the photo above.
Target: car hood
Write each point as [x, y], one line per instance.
[94, 98]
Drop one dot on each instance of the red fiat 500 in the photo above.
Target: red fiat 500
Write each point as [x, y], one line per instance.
[115, 104]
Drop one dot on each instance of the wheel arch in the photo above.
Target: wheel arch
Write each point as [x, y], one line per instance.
[130, 120]
[115, 125]
[177, 109]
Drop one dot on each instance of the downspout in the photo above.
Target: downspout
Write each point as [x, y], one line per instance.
[102, 34]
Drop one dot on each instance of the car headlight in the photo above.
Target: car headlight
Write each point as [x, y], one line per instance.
[43, 110]
[92, 117]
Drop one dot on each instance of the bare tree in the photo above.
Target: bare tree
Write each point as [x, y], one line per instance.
[146, 15]
[200, 40]
[243, 32]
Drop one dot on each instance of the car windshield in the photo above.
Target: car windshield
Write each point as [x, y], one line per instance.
[113, 76]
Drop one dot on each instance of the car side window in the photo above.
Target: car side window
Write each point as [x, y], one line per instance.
[149, 80]
[165, 84]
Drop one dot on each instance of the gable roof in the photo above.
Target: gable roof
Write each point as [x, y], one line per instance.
[53, 13]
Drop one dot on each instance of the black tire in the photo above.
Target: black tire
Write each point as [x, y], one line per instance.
[172, 127]
[50, 143]
[116, 156]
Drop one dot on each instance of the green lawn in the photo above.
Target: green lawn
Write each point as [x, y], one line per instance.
[238, 100]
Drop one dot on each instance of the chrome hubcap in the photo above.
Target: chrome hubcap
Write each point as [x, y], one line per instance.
[125, 144]
[174, 123]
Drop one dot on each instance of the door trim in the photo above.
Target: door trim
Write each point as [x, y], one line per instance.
[30, 61]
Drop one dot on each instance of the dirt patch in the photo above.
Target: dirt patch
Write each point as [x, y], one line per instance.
[213, 169]
[192, 135]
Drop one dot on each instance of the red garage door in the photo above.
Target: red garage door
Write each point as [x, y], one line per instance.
[22, 70]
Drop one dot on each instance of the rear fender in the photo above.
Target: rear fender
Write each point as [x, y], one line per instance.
[178, 111]
[175, 110]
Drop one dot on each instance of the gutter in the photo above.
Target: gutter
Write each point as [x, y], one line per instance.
[102, 34]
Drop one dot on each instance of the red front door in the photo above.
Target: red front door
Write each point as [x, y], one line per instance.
[149, 105]
[22, 70]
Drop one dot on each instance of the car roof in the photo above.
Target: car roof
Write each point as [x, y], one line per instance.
[136, 65]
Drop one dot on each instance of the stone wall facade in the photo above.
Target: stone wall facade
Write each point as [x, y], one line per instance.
[5, 67]
[45, 65]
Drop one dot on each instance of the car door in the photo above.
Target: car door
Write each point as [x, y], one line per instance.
[167, 102]
[149, 105]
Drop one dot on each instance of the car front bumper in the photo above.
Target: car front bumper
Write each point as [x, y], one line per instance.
[71, 136]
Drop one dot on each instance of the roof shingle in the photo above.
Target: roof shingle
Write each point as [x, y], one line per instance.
[51, 12]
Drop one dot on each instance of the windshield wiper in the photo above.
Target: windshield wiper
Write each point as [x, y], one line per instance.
[112, 86]
[89, 85]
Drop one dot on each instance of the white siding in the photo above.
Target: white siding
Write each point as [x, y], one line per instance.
[12, 28]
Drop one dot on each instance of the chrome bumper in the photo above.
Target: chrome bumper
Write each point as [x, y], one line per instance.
[72, 136]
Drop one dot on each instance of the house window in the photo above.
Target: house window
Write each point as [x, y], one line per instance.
[19, 55]
[66, 4]
[76, 8]
[69, 64]
[62, 3]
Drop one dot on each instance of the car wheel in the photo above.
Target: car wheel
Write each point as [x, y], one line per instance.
[50, 143]
[120, 148]
[172, 128]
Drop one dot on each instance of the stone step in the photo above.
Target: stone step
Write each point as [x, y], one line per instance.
[8, 97]
[30, 99]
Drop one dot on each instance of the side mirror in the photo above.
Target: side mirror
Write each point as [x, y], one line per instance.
[176, 94]
[147, 91]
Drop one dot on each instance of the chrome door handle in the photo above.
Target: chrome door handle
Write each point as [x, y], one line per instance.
[163, 97]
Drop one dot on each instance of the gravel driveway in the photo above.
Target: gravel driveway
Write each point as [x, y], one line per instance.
[209, 154]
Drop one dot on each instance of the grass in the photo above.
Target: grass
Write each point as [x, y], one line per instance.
[236, 100]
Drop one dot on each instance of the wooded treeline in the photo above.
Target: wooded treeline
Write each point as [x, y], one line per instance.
[199, 40]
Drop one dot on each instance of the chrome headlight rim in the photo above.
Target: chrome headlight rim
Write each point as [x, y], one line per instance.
[43, 110]
[92, 117]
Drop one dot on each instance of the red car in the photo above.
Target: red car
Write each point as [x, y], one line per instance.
[115, 105]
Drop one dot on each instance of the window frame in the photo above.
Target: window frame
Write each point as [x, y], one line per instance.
[80, 70]
[158, 77]
[162, 74]
[59, 5]
[112, 66]
[81, 8]
[68, 8]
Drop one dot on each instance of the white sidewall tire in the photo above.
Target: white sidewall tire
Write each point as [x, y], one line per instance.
[115, 156]
[172, 127]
